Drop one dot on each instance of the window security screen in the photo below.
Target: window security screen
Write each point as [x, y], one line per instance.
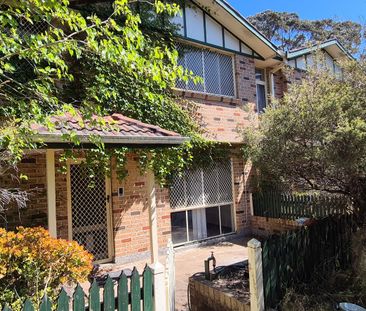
[203, 187]
[216, 69]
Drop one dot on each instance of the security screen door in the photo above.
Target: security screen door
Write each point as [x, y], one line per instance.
[89, 212]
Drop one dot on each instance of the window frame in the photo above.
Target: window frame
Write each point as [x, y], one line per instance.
[264, 83]
[217, 51]
[203, 207]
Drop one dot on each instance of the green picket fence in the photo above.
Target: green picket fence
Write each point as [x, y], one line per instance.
[295, 256]
[131, 295]
[291, 206]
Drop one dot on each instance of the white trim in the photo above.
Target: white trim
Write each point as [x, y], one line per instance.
[51, 192]
[58, 138]
[234, 207]
[153, 217]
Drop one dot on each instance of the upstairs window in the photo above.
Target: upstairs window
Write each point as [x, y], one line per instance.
[215, 68]
[261, 90]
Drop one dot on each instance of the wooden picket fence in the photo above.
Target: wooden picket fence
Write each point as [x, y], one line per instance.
[295, 256]
[292, 206]
[131, 295]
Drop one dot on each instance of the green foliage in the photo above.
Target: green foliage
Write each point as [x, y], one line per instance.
[33, 264]
[315, 137]
[290, 32]
[108, 58]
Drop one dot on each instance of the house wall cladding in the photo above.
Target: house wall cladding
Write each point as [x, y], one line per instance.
[35, 213]
[223, 117]
[130, 213]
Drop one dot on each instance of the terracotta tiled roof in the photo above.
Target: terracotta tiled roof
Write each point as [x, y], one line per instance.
[117, 130]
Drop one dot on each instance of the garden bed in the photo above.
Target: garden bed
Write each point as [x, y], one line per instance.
[228, 291]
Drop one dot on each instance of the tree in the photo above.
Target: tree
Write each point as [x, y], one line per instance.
[315, 137]
[289, 31]
[48, 50]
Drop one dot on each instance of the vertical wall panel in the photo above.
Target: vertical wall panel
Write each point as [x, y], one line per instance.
[194, 22]
[245, 49]
[214, 32]
[231, 42]
[179, 21]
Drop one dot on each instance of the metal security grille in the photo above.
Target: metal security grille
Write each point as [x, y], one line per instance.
[216, 69]
[203, 187]
[89, 212]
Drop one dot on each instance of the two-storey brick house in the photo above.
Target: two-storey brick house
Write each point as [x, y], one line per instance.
[241, 70]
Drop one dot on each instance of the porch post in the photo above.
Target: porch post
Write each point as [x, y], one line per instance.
[153, 218]
[158, 269]
[51, 192]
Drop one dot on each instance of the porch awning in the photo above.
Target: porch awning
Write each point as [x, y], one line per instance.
[118, 130]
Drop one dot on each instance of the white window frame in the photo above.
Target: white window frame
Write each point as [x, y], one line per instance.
[260, 82]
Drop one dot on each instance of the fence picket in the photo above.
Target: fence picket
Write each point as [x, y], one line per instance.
[295, 256]
[148, 289]
[291, 206]
[108, 295]
[28, 306]
[63, 301]
[135, 291]
[94, 297]
[134, 298]
[45, 304]
[79, 299]
[123, 293]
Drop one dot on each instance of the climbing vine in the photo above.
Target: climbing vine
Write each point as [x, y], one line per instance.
[108, 58]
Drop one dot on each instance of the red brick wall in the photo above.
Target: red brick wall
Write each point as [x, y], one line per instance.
[131, 214]
[241, 172]
[35, 214]
[266, 226]
[223, 117]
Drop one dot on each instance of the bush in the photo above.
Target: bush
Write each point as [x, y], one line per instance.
[33, 264]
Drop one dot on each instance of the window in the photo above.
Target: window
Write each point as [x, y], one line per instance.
[216, 69]
[206, 197]
[261, 90]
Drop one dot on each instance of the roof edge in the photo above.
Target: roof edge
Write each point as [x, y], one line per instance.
[322, 45]
[240, 18]
[116, 140]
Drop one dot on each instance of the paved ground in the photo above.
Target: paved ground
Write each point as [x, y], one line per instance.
[189, 261]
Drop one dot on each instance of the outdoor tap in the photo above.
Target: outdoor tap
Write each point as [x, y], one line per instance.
[208, 274]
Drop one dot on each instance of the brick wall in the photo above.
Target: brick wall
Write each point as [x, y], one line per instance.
[131, 215]
[266, 226]
[204, 296]
[280, 84]
[241, 172]
[35, 214]
[223, 117]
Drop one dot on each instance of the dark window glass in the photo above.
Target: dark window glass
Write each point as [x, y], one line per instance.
[226, 219]
[212, 221]
[179, 227]
[261, 98]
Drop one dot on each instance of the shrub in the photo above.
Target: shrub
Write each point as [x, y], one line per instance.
[33, 264]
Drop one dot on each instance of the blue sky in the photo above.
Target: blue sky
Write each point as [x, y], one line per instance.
[307, 9]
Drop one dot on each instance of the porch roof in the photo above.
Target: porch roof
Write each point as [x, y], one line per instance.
[117, 130]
